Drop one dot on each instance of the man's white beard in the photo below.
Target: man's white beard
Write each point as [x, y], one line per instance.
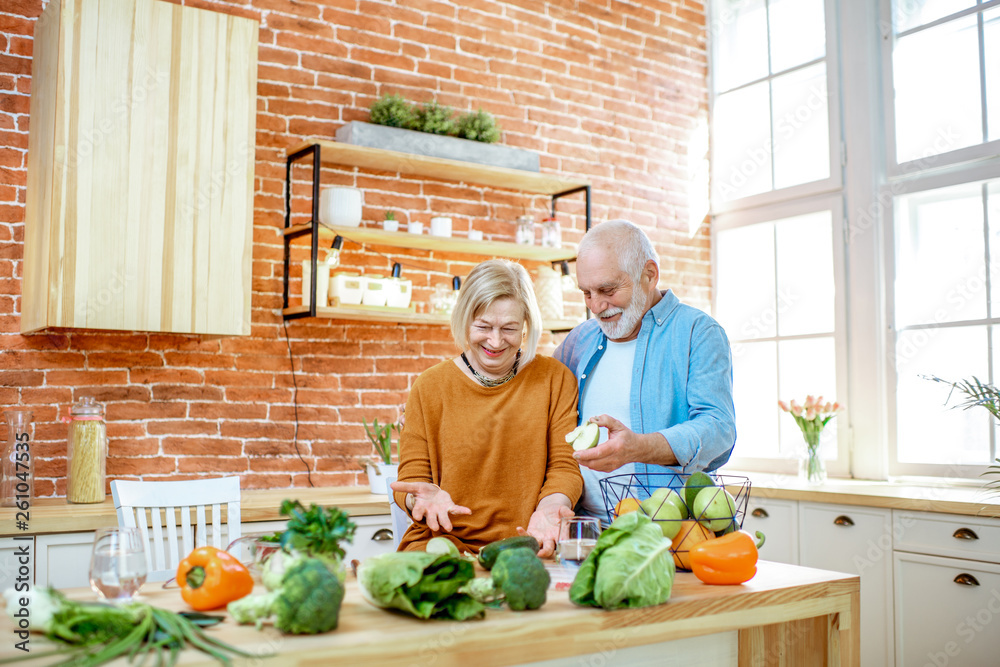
[631, 315]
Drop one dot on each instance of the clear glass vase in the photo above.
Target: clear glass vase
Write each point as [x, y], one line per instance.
[812, 467]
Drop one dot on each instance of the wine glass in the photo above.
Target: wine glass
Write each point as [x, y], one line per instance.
[577, 538]
[118, 563]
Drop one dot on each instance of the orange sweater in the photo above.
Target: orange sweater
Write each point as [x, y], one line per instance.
[497, 451]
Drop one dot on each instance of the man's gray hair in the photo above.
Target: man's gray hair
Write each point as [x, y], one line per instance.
[631, 246]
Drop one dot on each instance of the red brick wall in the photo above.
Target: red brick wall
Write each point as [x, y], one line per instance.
[604, 90]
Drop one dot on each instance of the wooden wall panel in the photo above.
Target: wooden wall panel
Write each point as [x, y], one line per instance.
[153, 106]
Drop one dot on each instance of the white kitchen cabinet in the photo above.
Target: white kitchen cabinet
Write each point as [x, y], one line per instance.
[857, 540]
[11, 550]
[947, 589]
[947, 610]
[778, 520]
[63, 559]
[373, 537]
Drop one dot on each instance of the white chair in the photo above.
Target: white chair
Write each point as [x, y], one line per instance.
[400, 519]
[153, 508]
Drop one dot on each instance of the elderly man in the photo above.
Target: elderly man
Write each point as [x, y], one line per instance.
[655, 372]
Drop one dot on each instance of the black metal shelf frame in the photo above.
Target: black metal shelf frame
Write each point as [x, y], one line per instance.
[313, 229]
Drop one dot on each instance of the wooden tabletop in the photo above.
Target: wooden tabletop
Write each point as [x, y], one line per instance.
[369, 636]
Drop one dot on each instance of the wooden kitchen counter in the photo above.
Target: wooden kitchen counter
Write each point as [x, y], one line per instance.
[56, 515]
[786, 615]
[948, 498]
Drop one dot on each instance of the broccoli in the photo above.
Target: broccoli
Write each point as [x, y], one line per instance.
[522, 577]
[306, 602]
[280, 561]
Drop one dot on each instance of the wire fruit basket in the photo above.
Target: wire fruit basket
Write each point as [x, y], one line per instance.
[678, 507]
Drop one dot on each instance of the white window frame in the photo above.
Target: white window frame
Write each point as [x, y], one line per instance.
[947, 159]
[841, 465]
[834, 181]
[898, 187]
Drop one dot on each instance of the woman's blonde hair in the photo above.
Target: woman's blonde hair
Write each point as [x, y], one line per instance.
[491, 280]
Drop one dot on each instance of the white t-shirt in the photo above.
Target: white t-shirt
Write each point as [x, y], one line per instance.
[608, 392]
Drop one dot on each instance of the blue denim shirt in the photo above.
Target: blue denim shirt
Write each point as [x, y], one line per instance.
[682, 383]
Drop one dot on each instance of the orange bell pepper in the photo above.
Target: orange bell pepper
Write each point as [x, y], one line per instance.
[730, 559]
[211, 578]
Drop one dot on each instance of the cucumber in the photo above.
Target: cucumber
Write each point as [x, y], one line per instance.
[488, 554]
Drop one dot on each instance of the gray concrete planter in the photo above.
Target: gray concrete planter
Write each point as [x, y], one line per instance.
[436, 145]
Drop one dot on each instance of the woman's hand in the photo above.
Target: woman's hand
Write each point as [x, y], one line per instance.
[544, 522]
[431, 503]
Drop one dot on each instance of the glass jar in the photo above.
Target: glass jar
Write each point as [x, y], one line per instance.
[87, 452]
[17, 484]
[525, 233]
[551, 233]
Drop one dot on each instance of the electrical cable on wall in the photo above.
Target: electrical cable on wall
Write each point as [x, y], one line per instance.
[295, 404]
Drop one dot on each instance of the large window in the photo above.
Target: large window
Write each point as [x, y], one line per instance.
[889, 224]
[943, 64]
[771, 112]
[775, 280]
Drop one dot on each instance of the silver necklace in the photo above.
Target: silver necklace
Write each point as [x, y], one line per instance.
[490, 382]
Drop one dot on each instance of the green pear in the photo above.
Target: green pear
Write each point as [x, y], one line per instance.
[584, 436]
[695, 483]
[666, 508]
[714, 508]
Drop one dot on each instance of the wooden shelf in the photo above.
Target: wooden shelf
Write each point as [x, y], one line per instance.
[377, 159]
[395, 317]
[362, 235]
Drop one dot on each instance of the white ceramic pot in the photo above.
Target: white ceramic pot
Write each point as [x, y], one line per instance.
[415, 228]
[398, 292]
[375, 292]
[390, 225]
[440, 226]
[378, 473]
[348, 288]
[340, 207]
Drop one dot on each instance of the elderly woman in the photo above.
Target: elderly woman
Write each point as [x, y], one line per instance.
[483, 455]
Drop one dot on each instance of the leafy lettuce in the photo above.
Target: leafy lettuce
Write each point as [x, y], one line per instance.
[425, 585]
[631, 566]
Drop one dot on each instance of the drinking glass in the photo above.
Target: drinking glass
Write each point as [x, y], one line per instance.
[118, 563]
[577, 538]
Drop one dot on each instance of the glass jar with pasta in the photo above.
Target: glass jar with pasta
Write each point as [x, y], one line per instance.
[87, 452]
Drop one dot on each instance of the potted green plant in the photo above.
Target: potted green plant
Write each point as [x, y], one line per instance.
[978, 393]
[380, 435]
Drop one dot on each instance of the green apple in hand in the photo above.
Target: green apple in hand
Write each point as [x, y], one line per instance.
[714, 508]
[666, 507]
[584, 436]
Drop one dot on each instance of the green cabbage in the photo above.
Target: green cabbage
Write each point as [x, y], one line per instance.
[631, 566]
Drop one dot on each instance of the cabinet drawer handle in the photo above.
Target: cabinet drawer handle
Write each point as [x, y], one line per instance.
[966, 580]
[760, 513]
[843, 520]
[965, 534]
[382, 535]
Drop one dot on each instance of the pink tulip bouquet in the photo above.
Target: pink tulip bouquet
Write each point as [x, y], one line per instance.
[812, 418]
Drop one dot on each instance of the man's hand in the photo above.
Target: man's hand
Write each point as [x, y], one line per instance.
[624, 446]
[544, 522]
[431, 503]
